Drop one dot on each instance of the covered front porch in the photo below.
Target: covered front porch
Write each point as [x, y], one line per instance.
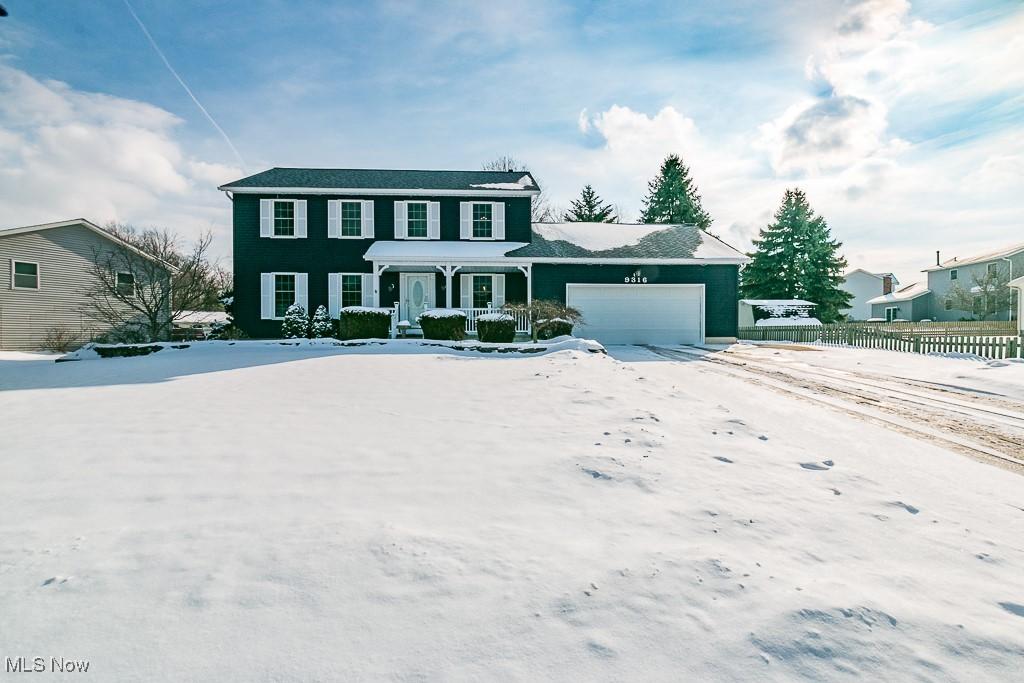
[414, 277]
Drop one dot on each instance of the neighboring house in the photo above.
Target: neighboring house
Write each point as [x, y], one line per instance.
[913, 302]
[426, 239]
[864, 285]
[1018, 286]
[45, 277]
[761, 312]
[1008, 261]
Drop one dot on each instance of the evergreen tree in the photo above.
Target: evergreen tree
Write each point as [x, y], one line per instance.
[322, 325]
[296, 323]
[796, 258]
[672, 197]
[589, 208]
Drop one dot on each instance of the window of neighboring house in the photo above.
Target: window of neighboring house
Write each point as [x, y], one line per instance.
[124, 283]
[483, 291]
[351, 219]
[482, 215]
[284, 218]
[284, 293]
[953, 274]
[351, 290]
[416, 217]
[891, 313]
[993, 269]
[24, 275]
[948, 304]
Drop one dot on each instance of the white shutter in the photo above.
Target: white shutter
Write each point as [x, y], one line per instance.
[368, 289]
[465, 220]
[466, 290]
[498, 210]
[302, 290]
[333, 219]
[401, 224]
[266, 218]
[300, 217]
[434, 220]
[334, 294]
[367, 215]
[498, 291]
[266, 296]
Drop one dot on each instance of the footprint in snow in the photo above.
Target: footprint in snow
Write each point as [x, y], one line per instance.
[1013, 608]
[723, 459]
[595, 474]
[763, 437]
[824, 465]
[55, 579]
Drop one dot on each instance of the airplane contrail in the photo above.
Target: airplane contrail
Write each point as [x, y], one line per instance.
[185, 85]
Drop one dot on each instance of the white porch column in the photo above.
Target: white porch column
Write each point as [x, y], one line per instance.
[448, 270]
[528, 272]
[377, 270]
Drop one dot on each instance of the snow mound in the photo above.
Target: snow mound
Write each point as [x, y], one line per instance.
[791, 321]
[441, 313]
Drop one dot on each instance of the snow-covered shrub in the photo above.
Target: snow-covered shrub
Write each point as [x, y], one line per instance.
[296, 323]
[496, 327]
[556, 327]
[322, 325]
[443, 323]
[361, 322]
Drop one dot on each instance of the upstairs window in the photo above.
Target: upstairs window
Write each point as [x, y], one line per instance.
[351, 289]
[284, 219]
[953, 274]
[24, 275]
[124, 283]
[483, 225]
[284, 293]
[416, 217]
[993, 269]
[351, 219]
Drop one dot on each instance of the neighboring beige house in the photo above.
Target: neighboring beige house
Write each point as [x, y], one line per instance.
[45, 277]
[1008, 261]
[864, 286]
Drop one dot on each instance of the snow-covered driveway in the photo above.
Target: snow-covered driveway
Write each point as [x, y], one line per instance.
[275, 513]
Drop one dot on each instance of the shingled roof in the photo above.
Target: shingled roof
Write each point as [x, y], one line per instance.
[618, 241]
[472, 182]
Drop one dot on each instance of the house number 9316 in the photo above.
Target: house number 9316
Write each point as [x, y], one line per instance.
[636, 279]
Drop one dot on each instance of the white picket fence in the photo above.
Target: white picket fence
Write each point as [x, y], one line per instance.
[522, 320]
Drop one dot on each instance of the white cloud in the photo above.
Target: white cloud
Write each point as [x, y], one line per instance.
[66, 153]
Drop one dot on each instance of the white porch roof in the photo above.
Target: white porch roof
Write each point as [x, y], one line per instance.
[431, 252]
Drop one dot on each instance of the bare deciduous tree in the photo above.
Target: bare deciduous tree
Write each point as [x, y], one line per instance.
[990, 294]
[541, 210]
[146, 280]
[546, 313]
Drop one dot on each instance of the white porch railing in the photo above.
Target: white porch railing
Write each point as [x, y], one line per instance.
[522, 321]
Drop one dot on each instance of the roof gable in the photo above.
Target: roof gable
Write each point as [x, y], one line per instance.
[995, 255]
[396, 181]
[81, 222]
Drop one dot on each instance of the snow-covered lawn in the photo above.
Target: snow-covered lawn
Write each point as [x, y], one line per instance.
[262, 512]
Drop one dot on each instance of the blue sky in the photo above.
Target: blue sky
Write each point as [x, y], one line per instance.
[902, 121]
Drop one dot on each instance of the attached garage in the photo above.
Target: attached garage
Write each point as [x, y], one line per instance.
[639, 313]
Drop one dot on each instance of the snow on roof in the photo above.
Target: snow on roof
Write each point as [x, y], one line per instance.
[996, 254]
[199, 317]
[595, 236]
[903, 294]
[430, 251]
[627, 241]
[772, 303]
[791, 321]
[1018, 282]
[521, 184]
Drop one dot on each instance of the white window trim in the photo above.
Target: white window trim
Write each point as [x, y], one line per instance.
[39, 276]
[362, 220]
[424, 203]
[135, 284]
[481, 239]
[341, 289]
[273, 279]
[954, 272]
[295, 224]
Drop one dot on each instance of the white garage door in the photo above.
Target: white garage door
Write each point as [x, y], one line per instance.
[639, 314]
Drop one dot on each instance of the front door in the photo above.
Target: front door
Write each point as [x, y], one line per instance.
[417, 297]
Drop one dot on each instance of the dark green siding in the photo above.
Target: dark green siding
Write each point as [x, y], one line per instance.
[721, 299]
[317, 255]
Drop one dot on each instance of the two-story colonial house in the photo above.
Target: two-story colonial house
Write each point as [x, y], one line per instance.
[416, 240]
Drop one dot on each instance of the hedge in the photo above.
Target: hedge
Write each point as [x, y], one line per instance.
[443, 323]
[359, 322]
[554, 328]
[496, 327]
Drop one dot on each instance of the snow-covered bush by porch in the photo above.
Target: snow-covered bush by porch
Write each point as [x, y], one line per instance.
[364, 322]
[322, 325]
[443, 323]
[296, 323]
[496, 327]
